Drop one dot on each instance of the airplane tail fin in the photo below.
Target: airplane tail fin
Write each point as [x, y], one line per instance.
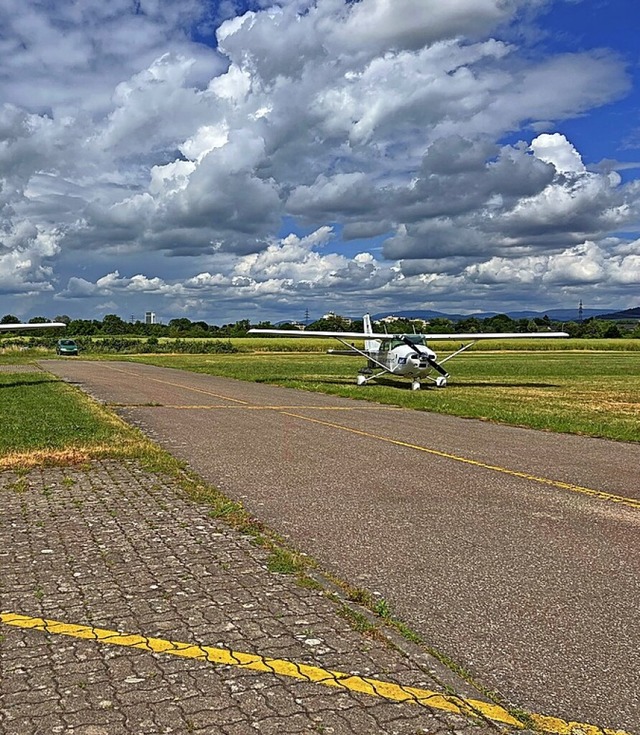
[370, 345]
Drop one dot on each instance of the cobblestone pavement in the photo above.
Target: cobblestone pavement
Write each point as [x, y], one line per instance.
[114, 547]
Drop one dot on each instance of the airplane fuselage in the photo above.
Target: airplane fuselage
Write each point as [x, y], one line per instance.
[404, 361]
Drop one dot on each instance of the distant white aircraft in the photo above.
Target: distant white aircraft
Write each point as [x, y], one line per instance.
[405, 355]
[40, 325]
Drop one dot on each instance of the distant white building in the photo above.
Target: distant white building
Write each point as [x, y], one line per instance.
[333, 315]
[149, 317]
[392, 318]
[387, 319]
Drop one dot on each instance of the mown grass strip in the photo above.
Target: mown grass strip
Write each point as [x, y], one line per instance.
[45, 421]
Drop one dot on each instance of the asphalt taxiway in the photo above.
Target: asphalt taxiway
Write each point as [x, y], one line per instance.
[514, 552]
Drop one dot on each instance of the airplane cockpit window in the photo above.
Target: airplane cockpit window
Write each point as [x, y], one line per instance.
[416, 339]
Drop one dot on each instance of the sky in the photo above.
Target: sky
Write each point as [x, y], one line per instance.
[266, 159]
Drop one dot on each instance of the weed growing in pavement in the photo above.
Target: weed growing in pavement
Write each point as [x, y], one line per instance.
[21, 485]
[406, 632]
[223, 508]
[525, 717]
[360, 622]
[306, 582]
[283, 561]
[381, 608]
[355, 594]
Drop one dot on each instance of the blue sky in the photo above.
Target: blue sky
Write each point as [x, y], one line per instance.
[254, 160]
[614, 130]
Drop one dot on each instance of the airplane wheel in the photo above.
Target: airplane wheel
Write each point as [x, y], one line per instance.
[441, 382]
[361, 380]
[415, 385]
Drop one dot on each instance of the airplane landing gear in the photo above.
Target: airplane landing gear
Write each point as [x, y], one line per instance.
[415, 385]
[441, 382]
[361, 380]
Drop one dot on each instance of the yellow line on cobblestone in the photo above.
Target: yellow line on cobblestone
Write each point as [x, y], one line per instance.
[599, 494]
[305, 672]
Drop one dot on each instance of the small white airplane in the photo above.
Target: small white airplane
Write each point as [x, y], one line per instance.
[405, 355]
[37, 325]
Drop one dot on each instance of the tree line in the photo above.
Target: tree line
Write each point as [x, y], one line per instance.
[114, 326]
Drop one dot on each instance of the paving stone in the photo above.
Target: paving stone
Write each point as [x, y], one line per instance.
[112, 546]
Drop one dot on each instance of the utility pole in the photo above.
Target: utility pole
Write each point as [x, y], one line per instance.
[306, 317]
[580, 312]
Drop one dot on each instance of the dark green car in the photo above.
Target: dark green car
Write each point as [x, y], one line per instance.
[66, 347]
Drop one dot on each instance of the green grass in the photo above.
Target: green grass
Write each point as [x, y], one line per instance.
[47, 419]
[310, 344]
[595, 393]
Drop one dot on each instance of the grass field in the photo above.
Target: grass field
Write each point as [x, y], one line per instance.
[45, 420]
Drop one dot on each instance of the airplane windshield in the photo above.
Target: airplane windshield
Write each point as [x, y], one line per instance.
[416, 339]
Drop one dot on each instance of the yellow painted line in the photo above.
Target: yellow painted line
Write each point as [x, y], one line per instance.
[599, 494]
[176, 385]
[243, 404]
[262, 408]
[282, 667]
[305, 672]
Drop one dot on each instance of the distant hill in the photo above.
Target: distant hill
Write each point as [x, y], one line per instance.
[631, 314]
[563, 315]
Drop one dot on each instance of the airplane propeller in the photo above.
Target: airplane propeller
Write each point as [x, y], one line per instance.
[425, 356]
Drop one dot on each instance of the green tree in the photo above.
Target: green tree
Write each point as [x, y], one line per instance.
[543, 321]
[113, 324]
[499, 323]
[84, 327]
[333, 323]
[440, 325]
[612, 331]
[471, 324]
[180, 325]
[240, 328]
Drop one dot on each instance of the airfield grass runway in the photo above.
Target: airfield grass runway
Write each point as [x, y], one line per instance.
[513, 552]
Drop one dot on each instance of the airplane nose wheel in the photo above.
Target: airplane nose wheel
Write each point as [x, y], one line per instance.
[415, 385]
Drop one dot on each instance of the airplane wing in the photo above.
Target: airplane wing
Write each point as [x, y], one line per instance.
[426, 337]
[37, 325]
[303, 333]
[494, 335]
